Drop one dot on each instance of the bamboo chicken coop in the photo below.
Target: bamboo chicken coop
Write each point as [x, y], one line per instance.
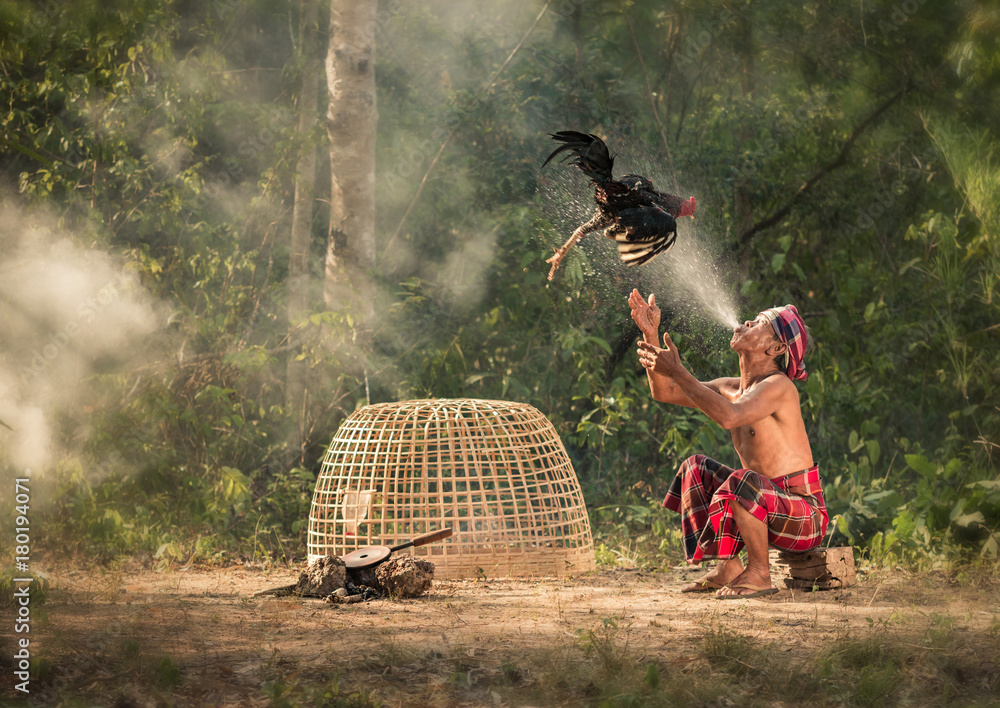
[495, 472]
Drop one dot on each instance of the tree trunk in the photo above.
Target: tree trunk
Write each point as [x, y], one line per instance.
[351, 121]
[302, 218]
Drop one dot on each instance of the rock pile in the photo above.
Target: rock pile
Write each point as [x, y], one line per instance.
[328, 578]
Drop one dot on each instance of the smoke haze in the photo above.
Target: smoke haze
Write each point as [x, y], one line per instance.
[68, 313]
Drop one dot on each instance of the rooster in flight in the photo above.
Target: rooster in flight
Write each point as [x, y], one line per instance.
[639, 218]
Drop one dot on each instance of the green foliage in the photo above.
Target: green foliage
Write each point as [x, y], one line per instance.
[167, 673]
[635, 532]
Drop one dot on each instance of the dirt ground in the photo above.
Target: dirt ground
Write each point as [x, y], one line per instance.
[199, 637]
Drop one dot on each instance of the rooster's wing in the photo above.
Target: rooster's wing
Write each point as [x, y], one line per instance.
[643, 233]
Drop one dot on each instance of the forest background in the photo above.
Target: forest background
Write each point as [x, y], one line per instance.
[171, 373]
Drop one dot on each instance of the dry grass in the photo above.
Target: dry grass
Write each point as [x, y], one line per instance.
[615, 638]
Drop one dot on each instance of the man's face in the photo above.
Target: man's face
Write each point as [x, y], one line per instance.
[754, 334]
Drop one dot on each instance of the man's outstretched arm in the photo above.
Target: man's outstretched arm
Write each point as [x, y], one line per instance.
[764, 400]
[662, 387]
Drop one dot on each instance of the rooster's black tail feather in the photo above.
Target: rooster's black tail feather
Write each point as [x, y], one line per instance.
[589, 152]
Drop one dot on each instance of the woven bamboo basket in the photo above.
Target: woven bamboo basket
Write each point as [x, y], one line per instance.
[495, 472]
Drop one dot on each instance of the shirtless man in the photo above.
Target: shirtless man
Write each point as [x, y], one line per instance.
[776, 497]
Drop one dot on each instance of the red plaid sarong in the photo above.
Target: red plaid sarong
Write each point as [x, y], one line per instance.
[702, 493]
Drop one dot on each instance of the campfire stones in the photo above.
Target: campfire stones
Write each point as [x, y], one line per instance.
[329, 578]
[352, 593]
[405, 576]
[399, 576]
[323, 577]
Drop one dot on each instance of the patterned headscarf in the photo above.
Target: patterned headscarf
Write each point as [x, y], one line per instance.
[791, 330]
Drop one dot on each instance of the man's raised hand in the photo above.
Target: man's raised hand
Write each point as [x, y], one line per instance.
[664, 361]
[671, 357]
[645, 314]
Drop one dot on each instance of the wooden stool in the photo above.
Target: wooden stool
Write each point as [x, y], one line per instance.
[818, 569]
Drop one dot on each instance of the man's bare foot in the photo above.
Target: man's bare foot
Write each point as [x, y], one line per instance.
[752, 582]
[716, 578]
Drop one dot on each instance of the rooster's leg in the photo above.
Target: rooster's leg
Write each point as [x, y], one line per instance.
[597, 222]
